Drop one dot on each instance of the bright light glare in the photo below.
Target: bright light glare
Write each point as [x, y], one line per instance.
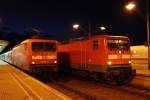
[130, 6]
[76, 26]
[109, 62]
[102, 28]
[33, 62]
[55, 61]
[119, 52]
[129, 62]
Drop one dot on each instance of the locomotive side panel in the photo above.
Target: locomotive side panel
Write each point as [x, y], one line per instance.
[20, 56]
[88, 55]
[96, 54]
[76, 55]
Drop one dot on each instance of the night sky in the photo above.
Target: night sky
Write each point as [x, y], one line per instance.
[55, 17]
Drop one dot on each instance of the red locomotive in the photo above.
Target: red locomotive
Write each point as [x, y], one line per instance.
[36, 55]
[101, 57]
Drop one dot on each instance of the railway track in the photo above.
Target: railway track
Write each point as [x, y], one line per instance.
[133, 90]
[90, 90]
[71, 92]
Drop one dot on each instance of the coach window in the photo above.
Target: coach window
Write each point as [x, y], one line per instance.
[95, 44]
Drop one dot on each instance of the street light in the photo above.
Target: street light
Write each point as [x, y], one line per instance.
[131, 6]
[102, 28]
[77, 26]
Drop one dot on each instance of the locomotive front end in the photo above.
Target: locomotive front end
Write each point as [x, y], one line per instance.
[119, 60]
[44, 56]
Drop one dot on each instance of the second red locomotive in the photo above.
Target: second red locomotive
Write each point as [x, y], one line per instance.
[101, 57]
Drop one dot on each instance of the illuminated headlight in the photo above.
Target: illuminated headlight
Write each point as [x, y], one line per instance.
[109, 62]
[129, 62]
[33, 62]
[119, 52]
[55, 61]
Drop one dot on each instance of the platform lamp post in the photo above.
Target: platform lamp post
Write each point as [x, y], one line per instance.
[131, 6]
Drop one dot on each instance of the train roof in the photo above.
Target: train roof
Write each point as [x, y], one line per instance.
[94, 36]
[111, 36]
[38, 40]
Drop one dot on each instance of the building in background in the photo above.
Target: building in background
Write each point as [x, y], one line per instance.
[139, 56]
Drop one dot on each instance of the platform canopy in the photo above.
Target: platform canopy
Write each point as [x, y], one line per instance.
[3, 44]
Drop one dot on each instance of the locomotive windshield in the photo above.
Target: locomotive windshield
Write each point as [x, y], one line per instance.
[118, 44]
[40, 46]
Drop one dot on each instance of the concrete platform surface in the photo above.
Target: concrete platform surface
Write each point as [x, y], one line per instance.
[16, 85]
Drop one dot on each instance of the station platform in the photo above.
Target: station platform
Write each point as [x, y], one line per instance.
[16, 85]
[141, 69]
[143, 72]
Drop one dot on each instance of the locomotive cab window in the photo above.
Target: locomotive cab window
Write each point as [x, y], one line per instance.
[118, 44]
[39, 46]
[95, 44]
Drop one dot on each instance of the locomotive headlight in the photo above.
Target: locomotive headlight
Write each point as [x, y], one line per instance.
[120, 52]
[109, 62]
[129, 62]
[33, 62]
[55, 61]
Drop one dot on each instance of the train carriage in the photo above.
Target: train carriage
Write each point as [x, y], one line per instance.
[103, 57]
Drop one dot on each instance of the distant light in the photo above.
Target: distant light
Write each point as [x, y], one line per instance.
[120, 41]
[130, 6]
[76, 26]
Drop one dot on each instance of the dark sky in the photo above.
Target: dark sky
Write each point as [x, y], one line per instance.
[57, 16]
